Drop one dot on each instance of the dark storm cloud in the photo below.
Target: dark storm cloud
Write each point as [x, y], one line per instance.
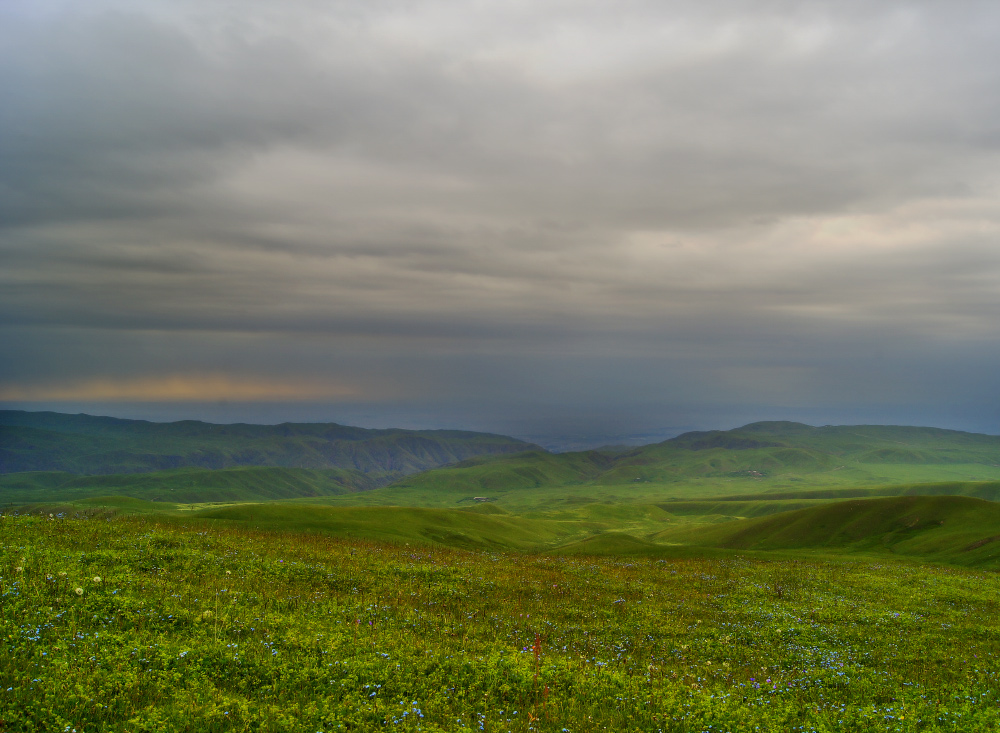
[503, 206]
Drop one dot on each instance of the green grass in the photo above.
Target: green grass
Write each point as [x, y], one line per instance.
[609, 543]
[440, 488]
[127, 504]
[195, 626]
[448, 527]
[958, 522]
[185, 485]
[716, 582]
[989, 490]
[543, 498]
[954, 529]
[738, 509]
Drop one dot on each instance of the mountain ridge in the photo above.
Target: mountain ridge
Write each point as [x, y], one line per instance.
[87, 444]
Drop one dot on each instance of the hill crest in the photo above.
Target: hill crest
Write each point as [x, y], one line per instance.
[86, 444]
[959, 529]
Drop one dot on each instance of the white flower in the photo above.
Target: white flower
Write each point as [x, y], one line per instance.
[97, 578]
[79, 591]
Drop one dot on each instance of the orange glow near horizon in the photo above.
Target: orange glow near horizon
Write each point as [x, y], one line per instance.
[178, 388]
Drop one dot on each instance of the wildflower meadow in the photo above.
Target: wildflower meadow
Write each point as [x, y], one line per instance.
[140, 625]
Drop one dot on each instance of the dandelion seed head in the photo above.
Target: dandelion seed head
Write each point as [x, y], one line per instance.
[79, 591]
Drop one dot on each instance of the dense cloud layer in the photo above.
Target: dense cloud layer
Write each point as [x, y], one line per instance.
[642, 215]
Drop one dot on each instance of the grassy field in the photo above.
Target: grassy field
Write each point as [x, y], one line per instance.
[954, 529]
[140, 624]
[771, 578]
[185, 485]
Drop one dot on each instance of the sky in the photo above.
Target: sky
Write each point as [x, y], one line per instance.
[584, 222]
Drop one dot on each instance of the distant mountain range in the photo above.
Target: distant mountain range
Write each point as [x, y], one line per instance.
[52, 456]
[84, 444]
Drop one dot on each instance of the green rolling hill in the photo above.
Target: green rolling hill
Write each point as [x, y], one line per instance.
[610, 543]
[763, 487]
[956, 529]
[186, 485]
[950, 529]
[989, 490]
[761, 459]
[445, 527]
[523, 474]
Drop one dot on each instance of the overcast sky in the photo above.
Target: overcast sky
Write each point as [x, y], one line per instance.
[542, 218]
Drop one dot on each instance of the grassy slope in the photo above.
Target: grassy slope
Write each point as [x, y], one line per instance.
[609, 543]
[83, 444]
[515, 475]
[447, 527]
[226, 629]
[561, 499]
[185, 485]
[756, 459]
[737, 509]
[671, 636]
[951, 529]
[989, 490]
[861, 642]
[955, 529]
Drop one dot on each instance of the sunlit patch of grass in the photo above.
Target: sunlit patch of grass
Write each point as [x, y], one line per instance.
[203, 628]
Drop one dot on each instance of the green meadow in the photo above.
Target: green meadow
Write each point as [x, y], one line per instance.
[132, 623]
[777, 577]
